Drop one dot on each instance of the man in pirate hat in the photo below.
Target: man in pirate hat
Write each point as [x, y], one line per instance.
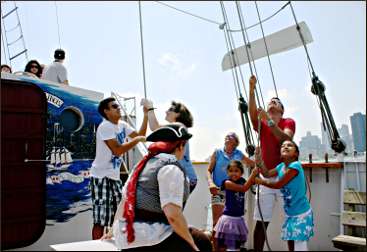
[150, 215]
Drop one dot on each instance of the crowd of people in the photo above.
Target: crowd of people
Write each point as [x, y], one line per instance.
[55, 71]
[146, 213]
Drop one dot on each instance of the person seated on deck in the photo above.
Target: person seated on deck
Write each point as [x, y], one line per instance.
[56, 71]
[298, 223]
[33, 69]
[150, 214]
[6, 69]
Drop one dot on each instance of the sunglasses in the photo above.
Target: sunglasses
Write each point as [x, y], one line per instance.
[115, 106]
[34, 66]
[172, 109]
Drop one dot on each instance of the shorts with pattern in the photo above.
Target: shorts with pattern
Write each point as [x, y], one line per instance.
[106, 195]
[299, 227]
[219, 199]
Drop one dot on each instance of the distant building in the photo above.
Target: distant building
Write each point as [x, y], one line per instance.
[358, 122]
[311, 144]
[347, 138]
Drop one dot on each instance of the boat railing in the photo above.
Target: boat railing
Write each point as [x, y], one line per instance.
[327, 181]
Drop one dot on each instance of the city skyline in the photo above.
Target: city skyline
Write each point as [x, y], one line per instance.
[319, 145]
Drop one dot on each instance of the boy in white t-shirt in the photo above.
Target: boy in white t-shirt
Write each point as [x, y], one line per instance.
[105, 181]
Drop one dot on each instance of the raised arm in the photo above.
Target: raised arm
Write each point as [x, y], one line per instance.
[248, 162]
[252, 103]
[261, 165]
[143, 128]
[119, 149]
[152, 119]
[229, 185]
[288, 176]
[281, 135]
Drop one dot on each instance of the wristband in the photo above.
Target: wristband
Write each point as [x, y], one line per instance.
[151, 109]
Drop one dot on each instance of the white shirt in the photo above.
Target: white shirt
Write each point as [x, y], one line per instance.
[170, 180]
[55, 72]
[105, 163]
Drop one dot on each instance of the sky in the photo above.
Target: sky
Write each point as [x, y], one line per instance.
[183, 56]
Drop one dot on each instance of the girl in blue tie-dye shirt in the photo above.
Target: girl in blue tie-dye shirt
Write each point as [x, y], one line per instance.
[298, 224]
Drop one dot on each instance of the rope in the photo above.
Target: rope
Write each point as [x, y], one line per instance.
[237, 90]
[262, 21]
[142, 48]
[248, 48]
[266, 47]
[232, 45]
[188, 13]
[217, 23]
[243, 107]
[318, 89]
[2, 40]
[244, 38]
[58, 26]
[12, 29]
[302, 39]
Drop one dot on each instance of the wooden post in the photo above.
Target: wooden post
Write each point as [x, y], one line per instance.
[327, 169]
[310, 171]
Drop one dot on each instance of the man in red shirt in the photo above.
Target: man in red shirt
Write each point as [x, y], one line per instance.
[274, 130]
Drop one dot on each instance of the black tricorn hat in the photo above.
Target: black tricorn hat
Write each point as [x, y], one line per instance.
[170, 133]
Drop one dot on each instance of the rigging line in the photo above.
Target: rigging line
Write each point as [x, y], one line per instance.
[244, 38]
[58, 26]
[262, 21]
[258, 81]
[301, 36]
[243, 107]
[248, 48]
[142, 49]
[188, 13]
[6, 38]
[215, 22]
[229, 38]
[267, 51]
[2, 40]
[232, 44]
[232, 62]
[12, 29]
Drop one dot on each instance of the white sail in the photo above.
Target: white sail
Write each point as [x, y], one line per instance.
[69, 159]
[62, 156]
[57, 155]
[277, 42]
[53, 156]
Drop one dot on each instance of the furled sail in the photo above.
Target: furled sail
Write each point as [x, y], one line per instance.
[277, 42]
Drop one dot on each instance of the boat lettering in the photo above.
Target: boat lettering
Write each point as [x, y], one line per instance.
[54, 100]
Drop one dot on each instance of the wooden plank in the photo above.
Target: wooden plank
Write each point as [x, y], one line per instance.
[353, 197]
[357, 219]
[350, 240]
[323, 165]
[94, 245]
